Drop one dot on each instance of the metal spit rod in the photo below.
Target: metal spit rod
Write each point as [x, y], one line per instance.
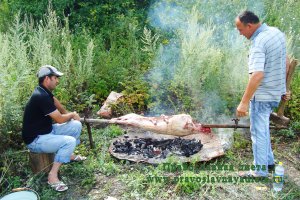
[235, 126]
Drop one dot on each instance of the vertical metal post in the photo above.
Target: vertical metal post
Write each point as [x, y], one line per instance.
[92, 145]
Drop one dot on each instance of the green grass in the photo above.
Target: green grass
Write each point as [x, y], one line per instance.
[213, 57]
[129, 180]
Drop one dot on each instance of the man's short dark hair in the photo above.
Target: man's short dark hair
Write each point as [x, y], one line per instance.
[248, 17]
[41, 79]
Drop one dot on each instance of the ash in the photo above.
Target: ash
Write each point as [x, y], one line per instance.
[154, 148]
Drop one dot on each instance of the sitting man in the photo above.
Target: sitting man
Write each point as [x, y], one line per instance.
[40, 135]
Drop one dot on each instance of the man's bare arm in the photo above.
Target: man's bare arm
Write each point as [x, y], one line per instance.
[62, 118]
[59, 106]
[254, 81]
[64, 113]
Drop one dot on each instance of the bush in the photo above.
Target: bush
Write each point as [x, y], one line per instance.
[91, 71]
[201, 65]
[200, 69]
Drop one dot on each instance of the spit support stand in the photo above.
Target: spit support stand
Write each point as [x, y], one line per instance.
[236, 122]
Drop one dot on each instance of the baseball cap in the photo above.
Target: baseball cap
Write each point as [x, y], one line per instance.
[48, 70]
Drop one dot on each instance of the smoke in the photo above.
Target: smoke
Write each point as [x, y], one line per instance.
[167, 16]
[201, 67]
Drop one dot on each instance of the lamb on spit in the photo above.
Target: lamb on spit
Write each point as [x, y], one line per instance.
[179, 125]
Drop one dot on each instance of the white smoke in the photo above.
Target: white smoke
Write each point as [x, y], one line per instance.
[204, 53]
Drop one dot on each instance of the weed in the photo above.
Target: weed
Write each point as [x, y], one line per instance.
[189, 183]
[292, 131]
[113, 131]
[240, 142]
[196, 69]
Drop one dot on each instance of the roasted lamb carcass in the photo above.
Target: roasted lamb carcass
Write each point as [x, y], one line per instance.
[179, 125]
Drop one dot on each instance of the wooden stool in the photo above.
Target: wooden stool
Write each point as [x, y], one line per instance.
[41, 162]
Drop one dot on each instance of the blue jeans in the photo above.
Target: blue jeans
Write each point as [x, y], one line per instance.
[260, 134]
[62, 141]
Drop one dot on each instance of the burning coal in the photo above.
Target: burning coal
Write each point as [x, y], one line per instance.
[157, 148]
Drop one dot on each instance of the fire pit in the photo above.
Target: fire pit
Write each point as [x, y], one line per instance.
[150, 148]
[145, 146]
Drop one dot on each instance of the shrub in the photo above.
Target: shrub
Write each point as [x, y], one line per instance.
[200, 69]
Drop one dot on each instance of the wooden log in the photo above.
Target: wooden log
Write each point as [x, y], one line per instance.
[278, 118]
[41, 162]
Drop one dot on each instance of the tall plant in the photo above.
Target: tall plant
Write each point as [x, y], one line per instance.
[26, 47]
[197, 71]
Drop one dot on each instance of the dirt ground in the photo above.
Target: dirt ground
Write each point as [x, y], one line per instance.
[110, 187]
[291, 162]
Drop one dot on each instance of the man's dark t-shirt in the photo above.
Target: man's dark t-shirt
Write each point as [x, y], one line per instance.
[36, 119]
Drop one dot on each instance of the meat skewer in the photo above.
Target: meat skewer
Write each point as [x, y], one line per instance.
[179, 125]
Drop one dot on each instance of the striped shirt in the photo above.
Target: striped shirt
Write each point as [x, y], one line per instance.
[268, 54]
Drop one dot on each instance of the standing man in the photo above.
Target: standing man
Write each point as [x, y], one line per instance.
[266, 85]
[40, 135]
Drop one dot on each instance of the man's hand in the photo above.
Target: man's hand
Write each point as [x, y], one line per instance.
[287, 96]
[242, 110]
[254, 81]
[76, 116]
